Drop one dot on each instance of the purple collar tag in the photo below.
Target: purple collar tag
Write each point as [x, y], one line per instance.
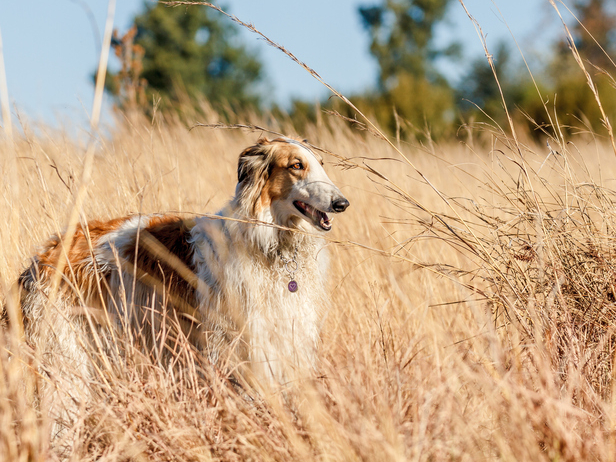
[291, 266]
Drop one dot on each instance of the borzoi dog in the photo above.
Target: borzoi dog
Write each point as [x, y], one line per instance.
[247, 282]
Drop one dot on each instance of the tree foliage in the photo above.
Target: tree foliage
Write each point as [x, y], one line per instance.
[560, 93]
[479, 95]
[402, 41]
[595, 41]
[594, 35]
[401, 36]
[190, 52]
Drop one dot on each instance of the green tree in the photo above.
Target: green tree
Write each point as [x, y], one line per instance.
[478, 87]
[402, 42]
[600, 24]
[562, 84]
[401, 37]
[189, 51]
[479, 96]
[595, 41]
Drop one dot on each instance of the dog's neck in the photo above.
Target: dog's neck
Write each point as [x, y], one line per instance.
[267, 237]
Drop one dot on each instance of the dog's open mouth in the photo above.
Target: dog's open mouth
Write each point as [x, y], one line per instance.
[319, 218]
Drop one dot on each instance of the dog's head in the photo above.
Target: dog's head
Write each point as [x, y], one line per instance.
[284, 179]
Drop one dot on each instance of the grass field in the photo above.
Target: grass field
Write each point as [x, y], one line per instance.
[471, 310]
[470, 316]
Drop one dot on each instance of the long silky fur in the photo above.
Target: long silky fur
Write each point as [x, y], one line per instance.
[219, 284]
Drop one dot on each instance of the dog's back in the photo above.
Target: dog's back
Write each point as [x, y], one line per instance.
[128, 270]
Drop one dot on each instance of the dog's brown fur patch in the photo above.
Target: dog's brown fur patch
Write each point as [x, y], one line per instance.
[281, 176]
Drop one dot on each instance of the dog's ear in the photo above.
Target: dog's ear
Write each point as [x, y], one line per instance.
[253, 170]
[252, 160]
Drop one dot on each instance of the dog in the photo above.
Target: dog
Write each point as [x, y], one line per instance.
[247, 283]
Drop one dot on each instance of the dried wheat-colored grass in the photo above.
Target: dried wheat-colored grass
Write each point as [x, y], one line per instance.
[470, 318]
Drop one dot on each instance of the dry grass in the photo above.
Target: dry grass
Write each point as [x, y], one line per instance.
[470, 319]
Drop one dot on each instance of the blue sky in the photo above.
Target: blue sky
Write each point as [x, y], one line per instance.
[51, 47]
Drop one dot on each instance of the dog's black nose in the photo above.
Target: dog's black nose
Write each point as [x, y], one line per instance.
[340, 205]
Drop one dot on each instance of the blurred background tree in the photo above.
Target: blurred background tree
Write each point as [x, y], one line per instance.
[402, 41]
[188, 54]
[409, 84]
[594, 37]
[561, 83]
[596, 18]
[478, 90]
[185, 54]
[479, 98]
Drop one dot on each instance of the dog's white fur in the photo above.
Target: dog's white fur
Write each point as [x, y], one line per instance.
[221, 279]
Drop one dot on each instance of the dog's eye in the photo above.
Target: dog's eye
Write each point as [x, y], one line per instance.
[297, 166]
